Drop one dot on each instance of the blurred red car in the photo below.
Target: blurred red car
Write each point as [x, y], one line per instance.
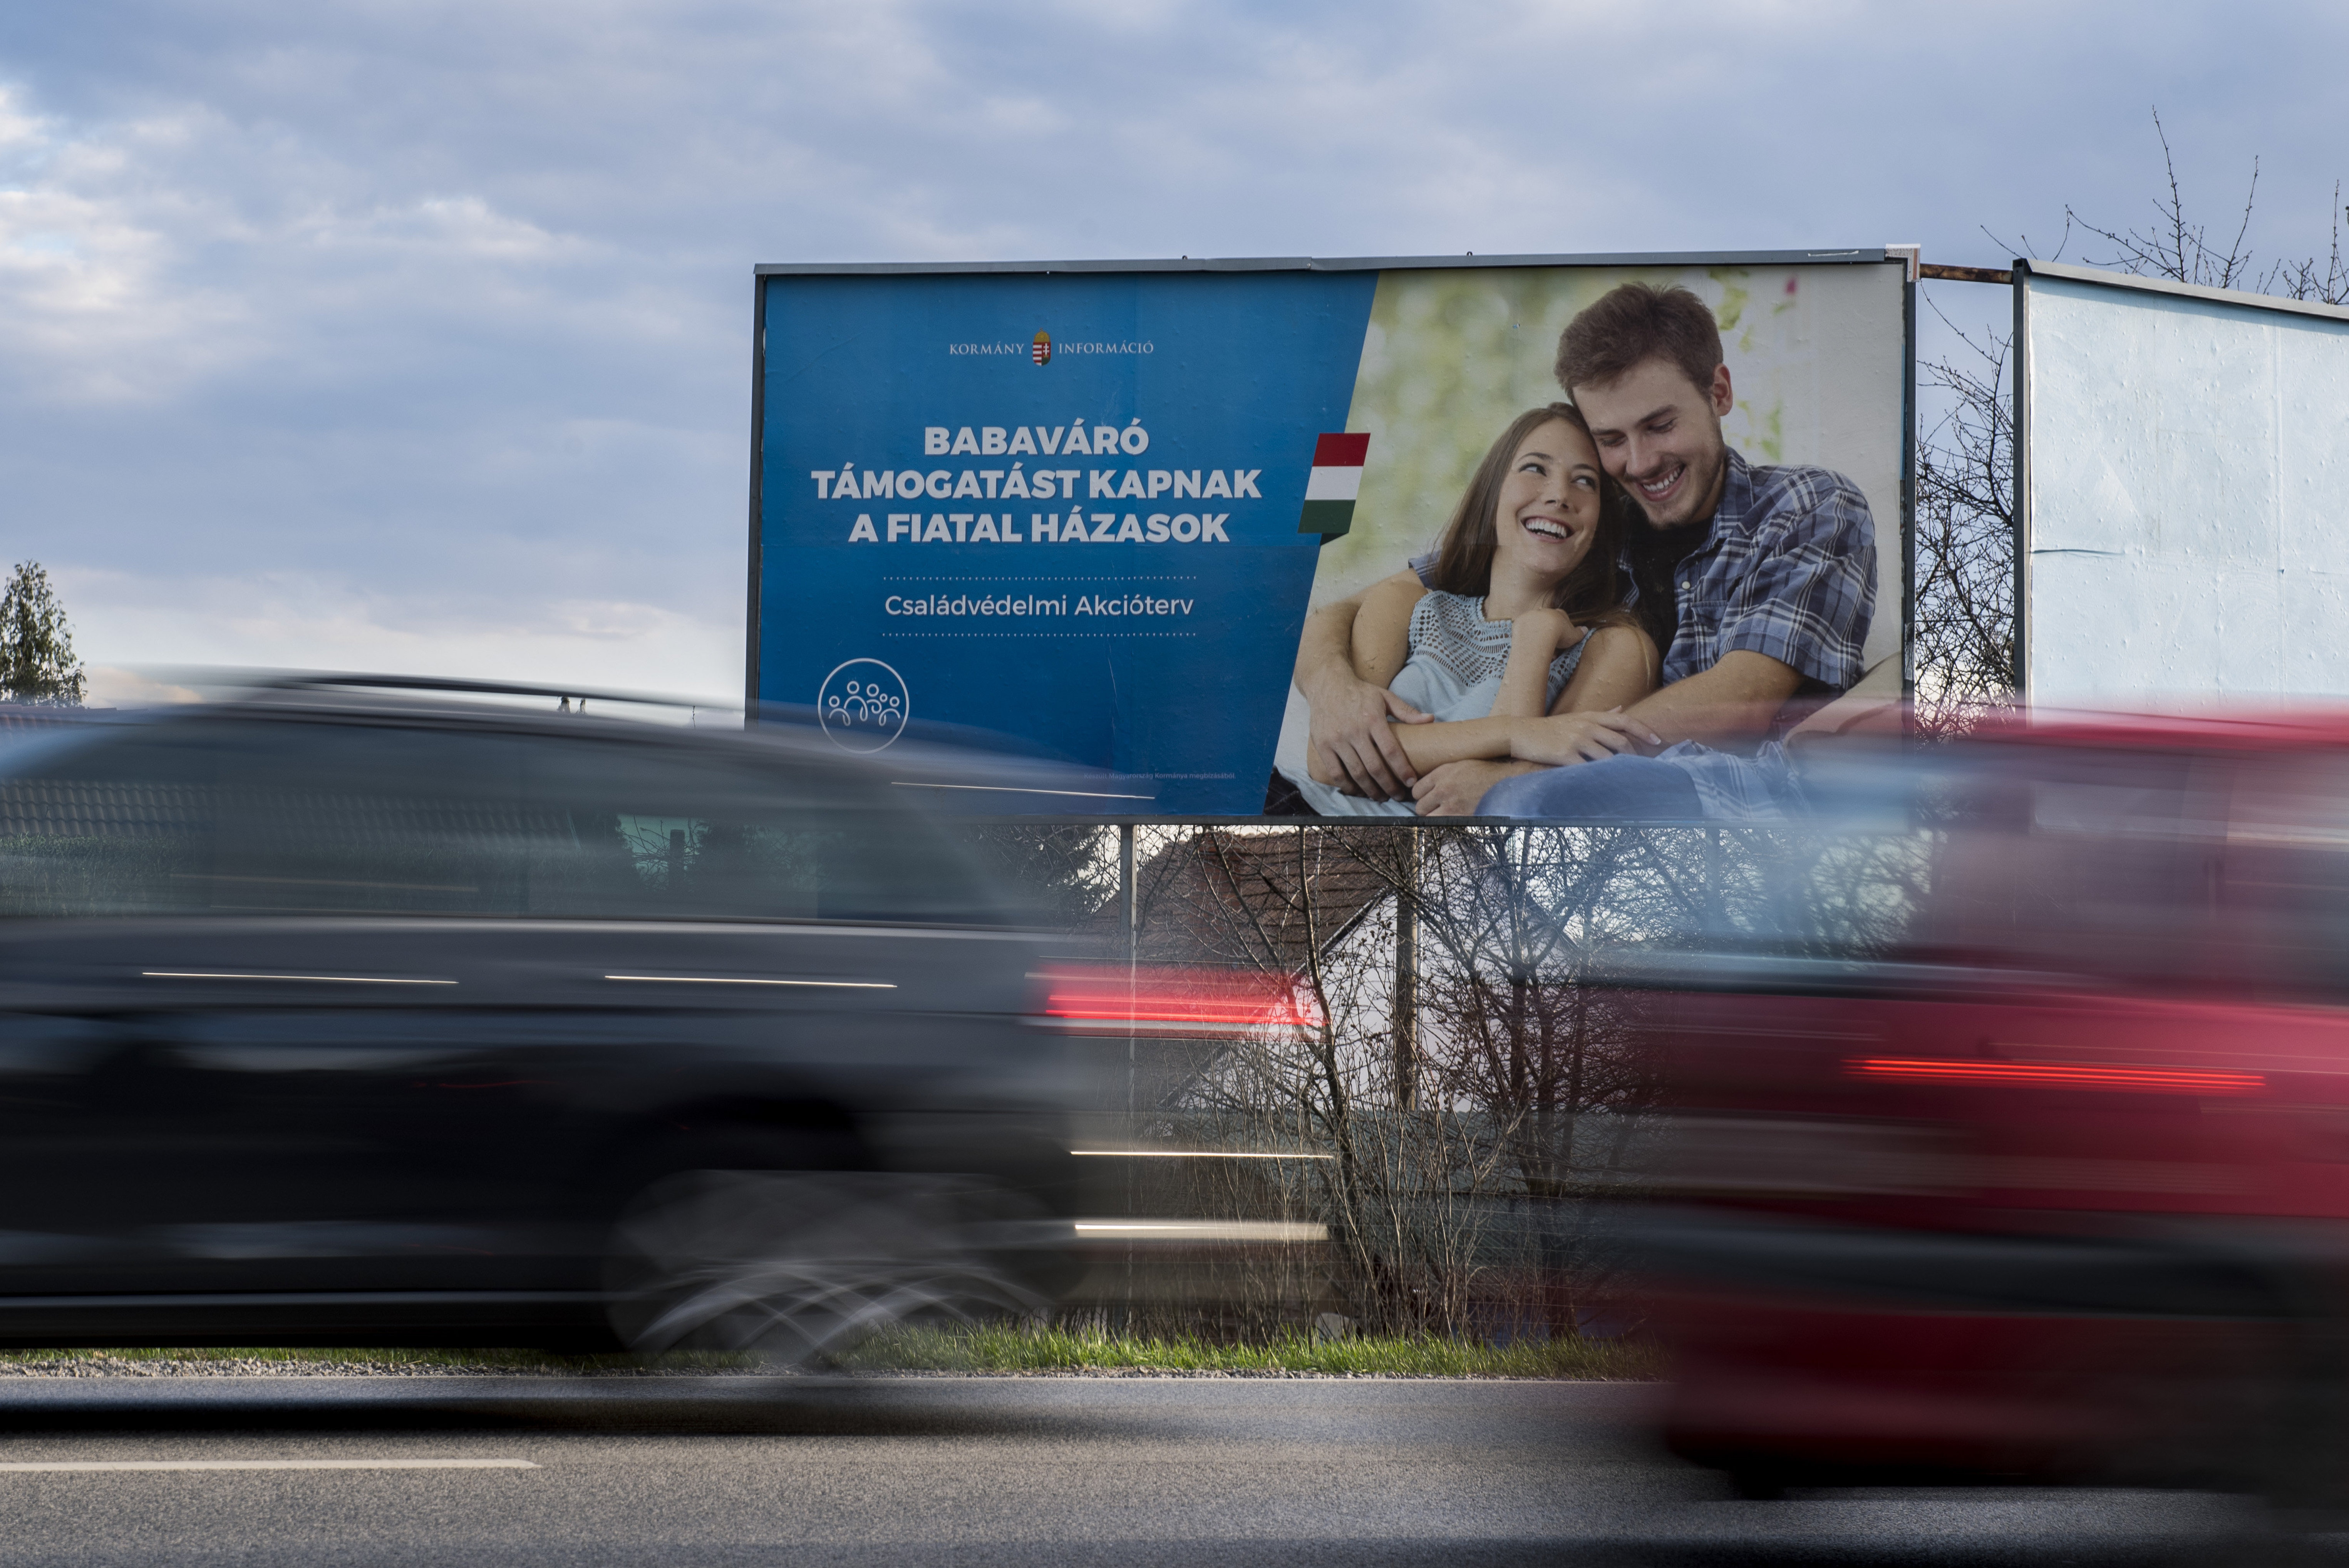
[2028, 1158]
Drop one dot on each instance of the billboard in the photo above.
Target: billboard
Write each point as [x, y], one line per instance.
[2180, 464]
[1089, 506]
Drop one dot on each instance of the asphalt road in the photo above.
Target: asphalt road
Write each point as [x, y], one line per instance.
[1027, 1474]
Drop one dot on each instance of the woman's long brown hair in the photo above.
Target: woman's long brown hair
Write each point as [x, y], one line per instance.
[1592, 594]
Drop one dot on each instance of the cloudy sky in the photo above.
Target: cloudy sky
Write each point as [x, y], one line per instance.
[414, 335]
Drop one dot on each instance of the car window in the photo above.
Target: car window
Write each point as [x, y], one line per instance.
[662, 833]
[249, 816]
[2085, 862]
[252, 818]
[233, 816]
[105, 824]
[2283, 892]
[2030, 857]
[2112, 876]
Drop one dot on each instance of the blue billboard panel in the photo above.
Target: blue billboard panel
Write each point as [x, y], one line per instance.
[1059, 508]
[1087, 510]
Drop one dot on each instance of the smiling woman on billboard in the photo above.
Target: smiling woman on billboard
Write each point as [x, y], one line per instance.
[1520, 615]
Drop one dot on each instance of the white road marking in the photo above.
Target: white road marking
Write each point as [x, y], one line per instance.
[318, 979]
[1203, 1230]
[1021, 790]
[716, 980]
[33, 1466]
[1192, 1154]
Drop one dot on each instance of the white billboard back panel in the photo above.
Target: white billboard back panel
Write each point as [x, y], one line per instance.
[2185, 491]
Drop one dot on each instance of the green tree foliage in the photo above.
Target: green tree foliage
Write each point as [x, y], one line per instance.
[37, 656]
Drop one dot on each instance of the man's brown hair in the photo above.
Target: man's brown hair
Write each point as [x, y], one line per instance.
[1636, 322]
[1592, 594]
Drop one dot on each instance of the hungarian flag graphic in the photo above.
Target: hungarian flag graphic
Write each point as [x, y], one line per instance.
[1337, 480]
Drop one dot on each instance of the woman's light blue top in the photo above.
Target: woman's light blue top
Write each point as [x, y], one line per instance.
[1453, 673]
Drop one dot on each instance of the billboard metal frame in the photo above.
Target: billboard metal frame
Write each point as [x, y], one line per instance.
[2019, 513]
[2025, 270]
[1908, 655]
[1861, 255]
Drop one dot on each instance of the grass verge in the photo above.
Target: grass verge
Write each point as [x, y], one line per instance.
[1019, 1348]
[984, 1349]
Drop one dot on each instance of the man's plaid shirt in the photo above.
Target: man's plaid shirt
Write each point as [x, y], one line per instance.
[1789, 570]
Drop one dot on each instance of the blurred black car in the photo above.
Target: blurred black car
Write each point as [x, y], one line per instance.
[330, 1014]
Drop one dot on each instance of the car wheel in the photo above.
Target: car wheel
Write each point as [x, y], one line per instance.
[793, 1265]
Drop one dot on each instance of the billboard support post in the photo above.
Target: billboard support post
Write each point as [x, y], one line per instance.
[1406, 978]
[1129, 906]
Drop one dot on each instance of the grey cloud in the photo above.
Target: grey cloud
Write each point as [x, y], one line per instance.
[436, 314]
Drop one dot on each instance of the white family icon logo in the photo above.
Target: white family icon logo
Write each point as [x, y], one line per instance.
[863, 705]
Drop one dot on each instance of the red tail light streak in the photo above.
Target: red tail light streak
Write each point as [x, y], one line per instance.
[2206, 1081]
[1177, 1001]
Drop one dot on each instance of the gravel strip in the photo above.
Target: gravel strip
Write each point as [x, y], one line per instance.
[125, 1367]
[263, 1367]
